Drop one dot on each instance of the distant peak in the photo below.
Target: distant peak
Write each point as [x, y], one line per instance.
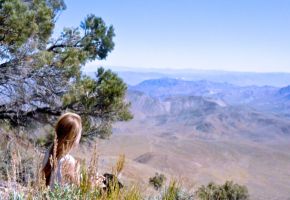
[285, 90]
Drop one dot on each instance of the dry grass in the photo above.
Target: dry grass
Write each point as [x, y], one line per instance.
[33, 187]
[11, 188]
[119, 164]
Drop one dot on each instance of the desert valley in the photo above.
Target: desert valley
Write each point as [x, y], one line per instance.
[202, 131]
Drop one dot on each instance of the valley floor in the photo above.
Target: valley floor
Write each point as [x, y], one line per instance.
[263, 168]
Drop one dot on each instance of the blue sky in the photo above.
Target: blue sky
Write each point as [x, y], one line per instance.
[232, 35]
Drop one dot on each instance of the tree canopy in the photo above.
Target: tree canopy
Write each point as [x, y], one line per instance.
[41, 77]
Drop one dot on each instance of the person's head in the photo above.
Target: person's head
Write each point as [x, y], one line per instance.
[68, 133]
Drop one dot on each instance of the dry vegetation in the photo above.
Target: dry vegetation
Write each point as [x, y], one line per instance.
[21, 179]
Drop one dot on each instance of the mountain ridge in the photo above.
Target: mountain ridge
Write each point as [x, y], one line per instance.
[135, 76]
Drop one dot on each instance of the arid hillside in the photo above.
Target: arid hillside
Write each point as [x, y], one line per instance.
[198, 139]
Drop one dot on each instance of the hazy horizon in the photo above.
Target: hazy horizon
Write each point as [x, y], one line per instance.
[92, 67]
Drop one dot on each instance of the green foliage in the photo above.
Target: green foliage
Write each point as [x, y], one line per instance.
[157, 181]
[23, 22]
[102, 98]
[95, 30]
[43, 74]
[227, 191]
[16, 196]
[64, 193]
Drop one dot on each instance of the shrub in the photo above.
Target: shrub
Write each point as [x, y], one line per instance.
[64, 193]
[227, 191]
[157, 181]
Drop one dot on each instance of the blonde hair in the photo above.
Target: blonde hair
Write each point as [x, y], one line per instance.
[67, 132]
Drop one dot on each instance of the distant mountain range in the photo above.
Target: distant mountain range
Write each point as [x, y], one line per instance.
[261, 98]
[136, 76]
[206, 118]
[212, 104]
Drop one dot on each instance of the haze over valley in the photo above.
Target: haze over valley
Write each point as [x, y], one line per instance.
[202, 131]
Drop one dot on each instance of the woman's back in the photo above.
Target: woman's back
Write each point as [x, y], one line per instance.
[67, 136]
[67, 171]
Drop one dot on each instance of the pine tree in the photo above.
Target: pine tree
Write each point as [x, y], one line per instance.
[40, 76]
